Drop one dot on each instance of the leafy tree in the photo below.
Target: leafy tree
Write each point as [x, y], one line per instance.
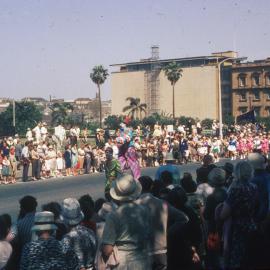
[135, 107]
[173, 72]
[99, 75]
[27, 116]
[113, 121]
[149, 121]
[183, 120]
[61, 113]
[207, 123]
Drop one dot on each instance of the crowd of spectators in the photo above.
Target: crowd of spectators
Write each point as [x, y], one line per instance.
[219, 220]
[66, 153]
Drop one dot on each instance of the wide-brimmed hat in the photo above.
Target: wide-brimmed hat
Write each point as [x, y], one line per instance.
[71, 211]
[169, 157]
[44, 221]
[217, 177]
[256, 160]
[125, 188]
[106, 208]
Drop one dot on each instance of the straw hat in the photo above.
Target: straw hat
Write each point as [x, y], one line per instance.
[125, 188]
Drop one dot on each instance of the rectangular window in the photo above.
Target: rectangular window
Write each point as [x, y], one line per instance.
[267, 93]
[256, 94]
[242, 109]
[267, 79]
[256, 80]
[242, 81]
[243, 96]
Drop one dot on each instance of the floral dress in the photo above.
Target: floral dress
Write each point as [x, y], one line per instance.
[242, 199]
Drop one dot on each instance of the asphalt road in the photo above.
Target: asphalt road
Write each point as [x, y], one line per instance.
[61, 188]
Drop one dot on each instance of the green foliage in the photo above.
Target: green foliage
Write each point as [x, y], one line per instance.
[113, 121]
[135, 107]
[228, 120]
[27, 116]
[135, 123]
[99, 75]
[183, 120]
[264, 121]
[61, 114]
[149, 121]
[173, 72]
[207, 123]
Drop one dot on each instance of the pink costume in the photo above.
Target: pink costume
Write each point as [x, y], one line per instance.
[128, 159]
[265, 146]
[241, 146]
[250, 145]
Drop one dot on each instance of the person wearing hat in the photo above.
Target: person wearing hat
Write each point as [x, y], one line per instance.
[44, 252]
[262, 180]
[128, 227]
[216, 179]
[170, 167]
[228, 168]
[79, 238]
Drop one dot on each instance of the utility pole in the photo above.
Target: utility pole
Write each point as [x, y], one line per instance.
[14, 113]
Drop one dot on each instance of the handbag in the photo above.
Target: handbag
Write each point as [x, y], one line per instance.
[213, 241]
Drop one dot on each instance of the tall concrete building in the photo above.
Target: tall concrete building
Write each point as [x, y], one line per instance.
[196, 93]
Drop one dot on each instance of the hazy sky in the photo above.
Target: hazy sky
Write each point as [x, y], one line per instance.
[48, 47]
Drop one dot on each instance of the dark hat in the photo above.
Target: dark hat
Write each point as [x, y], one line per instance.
[228, 167]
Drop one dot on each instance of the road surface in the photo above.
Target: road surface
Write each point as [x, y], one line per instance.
[60, 188]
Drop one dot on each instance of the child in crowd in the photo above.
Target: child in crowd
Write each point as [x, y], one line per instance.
[6, 170]
[59, 164]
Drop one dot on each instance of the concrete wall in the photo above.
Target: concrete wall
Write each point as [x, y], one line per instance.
[123, 85]
[195, 93]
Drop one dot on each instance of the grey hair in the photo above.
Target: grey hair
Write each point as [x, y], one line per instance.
[243, 171]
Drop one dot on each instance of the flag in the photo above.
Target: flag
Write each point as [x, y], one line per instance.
[246, 117]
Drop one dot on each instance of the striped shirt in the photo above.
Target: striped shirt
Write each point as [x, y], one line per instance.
[24, 226]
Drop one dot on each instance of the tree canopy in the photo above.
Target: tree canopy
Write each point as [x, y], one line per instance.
[27, 116]
[135, 107]
[60, 113]
[173, 72]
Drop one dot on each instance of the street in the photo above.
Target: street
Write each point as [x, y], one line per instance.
[58, 189]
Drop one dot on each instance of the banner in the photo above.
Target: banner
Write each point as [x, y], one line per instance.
[246, 117]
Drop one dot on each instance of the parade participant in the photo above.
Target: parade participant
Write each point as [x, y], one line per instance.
[216, 149]
[232, 147]
[13, 164]
[127, 157]
[112, 170]
[265, 146]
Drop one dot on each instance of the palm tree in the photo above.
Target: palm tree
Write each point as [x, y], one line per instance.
[173, 73]
[60, 112]
[99, 75]
[135, 107]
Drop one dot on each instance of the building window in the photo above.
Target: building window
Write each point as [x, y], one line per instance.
[267, 109]
[267, 78]
[256, 94]
[255, 79]
[242, 109]
[242, 80]
[257, 110]
[242, 96]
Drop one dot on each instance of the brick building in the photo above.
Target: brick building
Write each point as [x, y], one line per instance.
[251, 87]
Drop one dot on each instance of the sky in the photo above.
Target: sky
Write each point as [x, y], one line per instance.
[49, 47]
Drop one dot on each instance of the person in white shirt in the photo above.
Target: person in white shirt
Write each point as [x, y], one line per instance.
[29, 135]
[37, 132]
[43, 131]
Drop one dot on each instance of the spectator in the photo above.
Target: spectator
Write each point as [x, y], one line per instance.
[128, 227]
[170, 167]
[79, 238]
[240, 207]
[161, 215]
[45, 252]
[262, 180]
[5, 247]
[204, 170]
